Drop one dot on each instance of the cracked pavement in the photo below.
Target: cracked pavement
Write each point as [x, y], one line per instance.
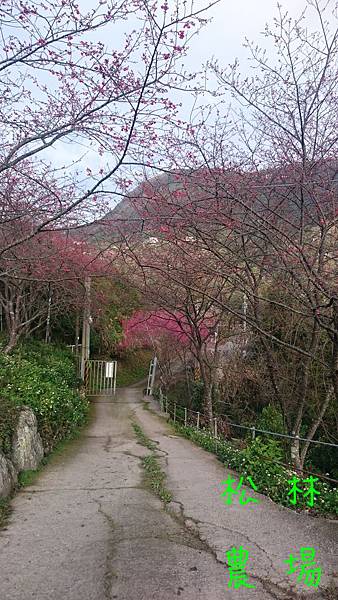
[269, 532]
[89, 529]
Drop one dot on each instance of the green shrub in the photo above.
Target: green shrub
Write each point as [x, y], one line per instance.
[197, 391]
[9, 415]
[259, 460]
[43, 378]
[271, 419]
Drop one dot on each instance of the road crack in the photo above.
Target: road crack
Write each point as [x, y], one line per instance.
[109, 575]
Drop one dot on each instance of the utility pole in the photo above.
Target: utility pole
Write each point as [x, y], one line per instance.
[77, 333]
[85, 327]
[215, 339]
[47, 336]
[245, 306]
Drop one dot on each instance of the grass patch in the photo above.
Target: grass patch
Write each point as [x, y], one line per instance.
[5, 511]
[154, 476]
[142, 438]
[28, 477]
[133, 367]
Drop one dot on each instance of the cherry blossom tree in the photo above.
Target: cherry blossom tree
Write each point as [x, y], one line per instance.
[61, 87]
[45, 273]
[256, 193]
[166, 275]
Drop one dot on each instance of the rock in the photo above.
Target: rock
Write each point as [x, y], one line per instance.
[27, 448]
[8, 476]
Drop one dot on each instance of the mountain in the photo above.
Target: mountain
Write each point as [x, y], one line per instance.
[128, 215]
[272, 192]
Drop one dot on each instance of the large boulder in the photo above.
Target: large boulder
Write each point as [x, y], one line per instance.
[27, 448]
[8, 476]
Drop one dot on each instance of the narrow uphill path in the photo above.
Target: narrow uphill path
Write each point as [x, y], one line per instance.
[89, 529]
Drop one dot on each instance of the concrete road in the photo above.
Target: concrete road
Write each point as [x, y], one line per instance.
[88, 529]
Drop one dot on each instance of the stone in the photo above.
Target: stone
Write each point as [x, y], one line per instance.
[27, 448]
[8, 476]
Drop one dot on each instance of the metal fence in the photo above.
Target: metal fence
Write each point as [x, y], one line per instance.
[75, 349]
[100, 377]
[184, 415]
[190, 418]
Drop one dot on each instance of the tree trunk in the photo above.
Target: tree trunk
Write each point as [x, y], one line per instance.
[310, 435]
[207, 404]
[335, 348]
[187, 381]
[207, 394]
[12, 341]
[295, 454]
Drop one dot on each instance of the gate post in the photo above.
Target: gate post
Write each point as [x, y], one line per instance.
[86, 374]
[151, 376]
[115, 373]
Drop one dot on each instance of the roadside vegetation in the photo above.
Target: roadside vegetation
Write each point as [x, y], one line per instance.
[42, 377]
[264, 458]
[261, 459]
[4, 511]
[243, 398]
[133, 366]
[154, 475]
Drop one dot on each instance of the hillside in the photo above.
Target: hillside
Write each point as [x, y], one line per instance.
[126, 216]
[274, 192]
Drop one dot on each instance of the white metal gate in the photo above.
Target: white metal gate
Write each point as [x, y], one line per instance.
[100, 377]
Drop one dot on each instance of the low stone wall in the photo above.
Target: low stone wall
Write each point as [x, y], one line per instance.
[27, 452]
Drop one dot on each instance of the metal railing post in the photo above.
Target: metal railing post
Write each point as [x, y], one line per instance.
[215, 427]
[115, 374]
[150, 373]
[175, 412]
[253, 432]
[185, 417]
[198, 420]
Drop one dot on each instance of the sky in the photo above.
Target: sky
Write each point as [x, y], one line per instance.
[233, 20]
[222, 38]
